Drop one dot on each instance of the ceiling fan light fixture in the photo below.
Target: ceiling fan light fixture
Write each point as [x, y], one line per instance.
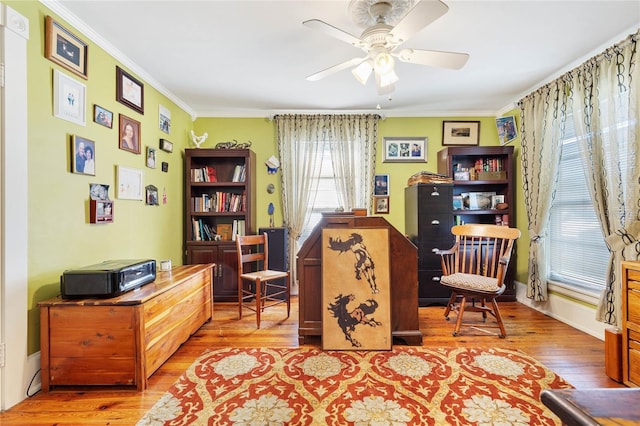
[388, 78]
[362, 72]
[383, 63]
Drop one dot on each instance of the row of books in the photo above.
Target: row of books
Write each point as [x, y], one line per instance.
[219, 202]
[204, 174]
[239, 173]
[202, 231]
[489, 165]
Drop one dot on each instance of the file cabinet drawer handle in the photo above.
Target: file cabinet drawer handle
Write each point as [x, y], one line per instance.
[435, 222]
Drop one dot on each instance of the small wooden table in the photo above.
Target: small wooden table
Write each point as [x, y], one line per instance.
[613, 406]
[124, 339]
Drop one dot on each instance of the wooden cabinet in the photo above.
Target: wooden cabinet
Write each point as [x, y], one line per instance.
[219, 201]
[428, 222]
[405, 326]
[122, 340]
[477, 172]
[631, 323]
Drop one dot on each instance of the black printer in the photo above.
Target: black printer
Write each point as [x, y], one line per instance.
[107, 279]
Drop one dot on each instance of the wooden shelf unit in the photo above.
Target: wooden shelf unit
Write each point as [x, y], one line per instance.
[203, 216]
[631, 323]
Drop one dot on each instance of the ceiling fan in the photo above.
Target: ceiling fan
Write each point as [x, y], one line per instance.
[381, 39]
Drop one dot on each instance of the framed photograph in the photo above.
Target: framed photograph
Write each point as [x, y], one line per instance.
[129, 90]
[381, 186]
[98, 191]
[166, 146]
[69, 98]
[102, 116]
[495, 200]
[460, 133]
[507, 130]
[151, 157]
[129, 134]
[381, 204]
[165, 119]
[130, 184]
[406, 150]
[64, 48]
[165, 166]
[152, 195]
[83, 154]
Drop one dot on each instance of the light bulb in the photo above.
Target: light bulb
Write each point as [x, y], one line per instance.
[383, 63]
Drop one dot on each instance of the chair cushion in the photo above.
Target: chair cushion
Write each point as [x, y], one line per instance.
[470, 282]
[264, 275]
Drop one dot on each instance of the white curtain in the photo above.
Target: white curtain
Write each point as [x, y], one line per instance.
[541, 126]
[605, 109]
[301, 142]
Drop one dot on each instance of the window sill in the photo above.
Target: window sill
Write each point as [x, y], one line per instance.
[591, 297]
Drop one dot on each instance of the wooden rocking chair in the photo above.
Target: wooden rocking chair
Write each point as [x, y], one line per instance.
[474, 269]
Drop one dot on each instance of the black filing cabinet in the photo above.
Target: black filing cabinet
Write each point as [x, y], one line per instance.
[428, 222]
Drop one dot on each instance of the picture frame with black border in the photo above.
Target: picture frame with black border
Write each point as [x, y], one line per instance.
[83, 155]
[166, 146]
[102, 116]
[65, 49]
[455, 133]
[129, 90]
[404, 150]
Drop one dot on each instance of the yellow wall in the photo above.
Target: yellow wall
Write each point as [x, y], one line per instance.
[60, 236]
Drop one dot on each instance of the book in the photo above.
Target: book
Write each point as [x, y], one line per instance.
[225, 230]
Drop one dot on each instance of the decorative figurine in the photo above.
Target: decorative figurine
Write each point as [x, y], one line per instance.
[198, 140]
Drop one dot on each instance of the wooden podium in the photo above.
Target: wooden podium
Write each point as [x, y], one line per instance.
[404, 278]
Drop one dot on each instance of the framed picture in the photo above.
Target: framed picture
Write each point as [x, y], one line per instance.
[165, 166]
[83, 154]
[152, 195]
[129, 90]
[129, 134]
[381, 205]
[102, 116]
[69, 98]
[366, 289]
[64, 48]
[129, 184]
[408, 150]
[151, 157]
[166, 146]
[164, 116]
[507, 131]
[460, 132]
[495, 200]
[381, 185]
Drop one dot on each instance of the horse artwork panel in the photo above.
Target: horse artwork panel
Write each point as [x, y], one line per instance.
[356, 291]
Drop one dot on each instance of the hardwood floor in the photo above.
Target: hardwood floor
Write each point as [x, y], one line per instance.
[574, 355]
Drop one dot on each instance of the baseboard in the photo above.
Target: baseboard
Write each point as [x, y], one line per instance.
[578, 315]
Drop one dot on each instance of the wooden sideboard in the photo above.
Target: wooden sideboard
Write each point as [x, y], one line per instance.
[405, 326]
[631, 323]
[123, 340]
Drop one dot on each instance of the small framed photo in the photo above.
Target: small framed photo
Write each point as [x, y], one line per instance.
[152, 195]
[130, 184]
[102, 116]
[129, 134]
[381, 185]
[166, 146]
[129, 91]
[495, 200]
[69, 98]
[406, 150]
[151, 157]
[83, 154]
[507, 131]
[165, 166]
[64, 48]
[164, 117]
[381, 205]
[460, 133]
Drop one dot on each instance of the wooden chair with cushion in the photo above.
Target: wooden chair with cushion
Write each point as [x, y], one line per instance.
[474, 269]
[257, 289]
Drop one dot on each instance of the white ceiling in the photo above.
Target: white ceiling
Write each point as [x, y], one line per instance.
[250, 58]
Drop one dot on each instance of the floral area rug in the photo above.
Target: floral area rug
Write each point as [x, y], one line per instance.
[404, 386]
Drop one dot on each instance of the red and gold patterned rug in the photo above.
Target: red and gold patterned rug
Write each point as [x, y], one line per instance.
[405, 386]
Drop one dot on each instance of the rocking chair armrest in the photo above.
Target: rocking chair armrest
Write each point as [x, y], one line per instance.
[447, 259]
[446, 252]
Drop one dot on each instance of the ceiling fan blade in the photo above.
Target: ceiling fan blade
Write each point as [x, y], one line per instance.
[422, 14]
[334, 32]
[433, 58]
[334, 69]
